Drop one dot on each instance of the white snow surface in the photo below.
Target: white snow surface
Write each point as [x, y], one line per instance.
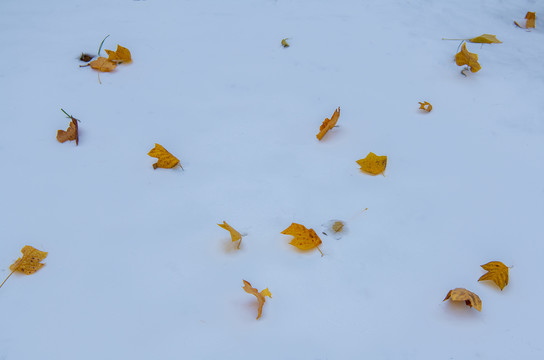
[137, 267]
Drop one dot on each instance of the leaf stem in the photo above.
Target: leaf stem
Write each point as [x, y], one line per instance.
[6, 278]
[100, 48]
[319, 250]
[65, 113]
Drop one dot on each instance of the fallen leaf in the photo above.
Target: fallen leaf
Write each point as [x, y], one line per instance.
[259, 295]
[470, 298]
[284, 43]
[425, 106]
[496, 272]
[121, 55]
[71, 133]
[29, 263]
[338, 226]
[86, 57]
[486, 39]
[530, 18]
[328, 124]
[464, 57]
[305, 239]
[373, 164]
[166, 160]
[102, 64]
[235, 235]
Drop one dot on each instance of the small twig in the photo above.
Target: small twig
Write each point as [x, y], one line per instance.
[319, 250]
[454, 39]
[89, 64]
[100, 82]
[100, 48]
[69, 116]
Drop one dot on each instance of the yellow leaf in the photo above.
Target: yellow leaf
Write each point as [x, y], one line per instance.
[373, 164]
[338, 226]
[425, 106]
[71, 133]
[284, 43]
[305, 239]
[166, 160]
[328, 124]
[470, 298]
[122, 54]
[497, 272]
[464, 57]
[235, 235]
[486, 39]
[259, 295]
[102, 64]
[531, 18]
[29, 263]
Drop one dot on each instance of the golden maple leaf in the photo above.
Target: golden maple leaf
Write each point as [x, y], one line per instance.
[373, 164]
[425, 106]
[305, 239]
[485, 39]
[464, 57]
[72, 133]
[470, 298]
[328, 124]
[496, 272]
[259, 295]
[166, 160]
[121, 55]
[29, 263]
[235, 235]
[103, 65]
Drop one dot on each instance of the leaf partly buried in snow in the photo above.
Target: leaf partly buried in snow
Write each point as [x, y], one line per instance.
[166, 160]
[304, 239]
[259, 295]
[470, 298]
[102, 64]
[486, 39]
[121, 55]
[328, 124]
[464, 57]
[373, 164]
[235, 235]
[425, 106]
[530, 19]
[72, 133]
[496, 272]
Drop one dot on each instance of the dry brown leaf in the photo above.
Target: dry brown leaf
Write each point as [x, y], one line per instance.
[305, 239]
[121, 55]
[464, 57]
[102, 64]
[425, 106]
[496, 272]
[328, 124]
[86, 57]
[166, 160]
[72, 133]
[259, 295]
[235, 235]
[29, 263]
[470, 298]
[373, 164]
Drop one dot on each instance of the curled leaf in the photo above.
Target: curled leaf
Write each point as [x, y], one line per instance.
[103, 65]
[304, 239]
[530, 19]
[486, 39]
[284, 43]
[464, 57]
[470, 298]
[373, 164]
[121, 55]
[71, 133]
[328, 124]
[235, 235]
[166, 160]
[259, 295]
[425, 106]
[496, 272]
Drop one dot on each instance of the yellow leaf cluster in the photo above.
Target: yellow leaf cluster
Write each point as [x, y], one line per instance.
[328, 124]
[235, 235]
[166, 160]
[496, 272]
[470, 298]
[72, 133]
[304, 239]
[464, 57]
[259, 295]
[373, 164]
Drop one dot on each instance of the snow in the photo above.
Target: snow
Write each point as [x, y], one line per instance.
[137, 267]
